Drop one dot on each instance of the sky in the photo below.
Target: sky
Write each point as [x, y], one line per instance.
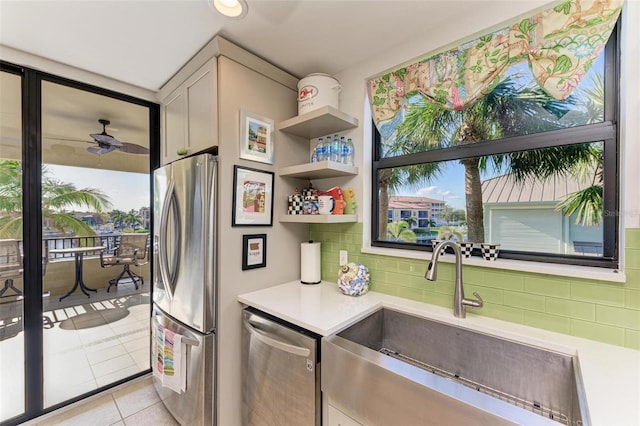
[126, 190]
[448, 187]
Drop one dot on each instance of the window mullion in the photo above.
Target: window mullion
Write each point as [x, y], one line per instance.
[582, 134]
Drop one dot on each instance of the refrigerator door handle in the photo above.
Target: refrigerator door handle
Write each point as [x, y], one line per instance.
[278, 344]
[167, 276]
[185, 337]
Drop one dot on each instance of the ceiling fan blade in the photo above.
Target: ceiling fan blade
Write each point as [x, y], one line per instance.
[67, 139]
[100, 150]
[105, 138]
[132, 148]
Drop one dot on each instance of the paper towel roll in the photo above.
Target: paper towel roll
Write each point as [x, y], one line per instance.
[310, 263]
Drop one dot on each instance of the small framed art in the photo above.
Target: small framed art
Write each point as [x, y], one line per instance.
[252, 197]
[256, 137]
[254, 251]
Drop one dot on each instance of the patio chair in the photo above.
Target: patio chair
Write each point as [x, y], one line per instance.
[10, 266]
[132, 249]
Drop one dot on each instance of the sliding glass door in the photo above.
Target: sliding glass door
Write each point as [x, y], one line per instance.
[78, 315]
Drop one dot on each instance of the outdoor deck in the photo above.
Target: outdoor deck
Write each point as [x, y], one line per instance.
[88, 341]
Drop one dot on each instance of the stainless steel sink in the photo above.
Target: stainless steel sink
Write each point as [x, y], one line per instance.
[393, 368]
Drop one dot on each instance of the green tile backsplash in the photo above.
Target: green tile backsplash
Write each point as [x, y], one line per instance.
[592, 309]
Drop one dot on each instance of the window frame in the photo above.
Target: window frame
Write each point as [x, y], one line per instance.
[606, 131]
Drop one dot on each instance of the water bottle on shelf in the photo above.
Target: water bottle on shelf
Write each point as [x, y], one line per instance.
[343, 150]
[319, 150]
[335, 149]
[350, 153]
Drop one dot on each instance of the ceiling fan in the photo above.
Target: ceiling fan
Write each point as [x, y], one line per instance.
[107, 143]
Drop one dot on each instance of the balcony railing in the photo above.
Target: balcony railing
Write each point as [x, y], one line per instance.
[109, 242]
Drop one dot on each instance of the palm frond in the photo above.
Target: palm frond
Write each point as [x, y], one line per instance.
[586, 204]
[544, 163]
[11, 227]
[449, 232]
[399, 231]
[58, 196]
[64, 223]
[592, 99]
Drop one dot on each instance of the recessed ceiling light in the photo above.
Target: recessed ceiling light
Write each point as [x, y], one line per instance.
[235, 9]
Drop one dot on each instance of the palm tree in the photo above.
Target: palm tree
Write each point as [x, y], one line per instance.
[118, 217]
[504, 111]
[132, 219]
[57, 197]
[411, 221]
[399, 231]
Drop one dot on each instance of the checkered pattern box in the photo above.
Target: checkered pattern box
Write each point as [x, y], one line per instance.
[305, 203]
[490, 250]
[296, 204]
[466, 248]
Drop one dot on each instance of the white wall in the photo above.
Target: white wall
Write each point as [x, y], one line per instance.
[438, 38]
[242, 88]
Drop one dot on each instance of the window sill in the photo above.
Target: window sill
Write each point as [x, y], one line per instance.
[572, 271]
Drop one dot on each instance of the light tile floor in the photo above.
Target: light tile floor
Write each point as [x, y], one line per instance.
[88, 343]
[135, 403]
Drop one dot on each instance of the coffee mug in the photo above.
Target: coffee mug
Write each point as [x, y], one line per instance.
[339, 208]
[326, 204]
[350, 208]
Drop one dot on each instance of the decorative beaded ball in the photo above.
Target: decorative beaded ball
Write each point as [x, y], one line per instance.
[353, 279]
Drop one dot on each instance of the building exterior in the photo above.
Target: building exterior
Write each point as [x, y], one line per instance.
[423, 210]
[145, 217]
[523, 216]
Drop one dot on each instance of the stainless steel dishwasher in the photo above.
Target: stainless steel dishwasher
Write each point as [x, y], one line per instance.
[280, 372]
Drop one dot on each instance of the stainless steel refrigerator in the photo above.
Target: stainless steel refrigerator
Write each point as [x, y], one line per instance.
[185, 279]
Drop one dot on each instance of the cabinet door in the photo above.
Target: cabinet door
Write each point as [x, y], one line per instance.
[174, 132]
[200, 91]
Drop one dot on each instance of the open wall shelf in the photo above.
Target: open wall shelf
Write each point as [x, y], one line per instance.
[319, 122]
[319, 170]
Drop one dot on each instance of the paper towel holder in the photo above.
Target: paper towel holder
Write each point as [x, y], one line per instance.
[310, 263]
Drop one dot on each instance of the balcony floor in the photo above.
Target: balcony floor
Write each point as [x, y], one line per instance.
[88, 343]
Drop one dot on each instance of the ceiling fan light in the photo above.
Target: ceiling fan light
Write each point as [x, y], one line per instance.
[234, 9]
[105, 138]
[100, 150]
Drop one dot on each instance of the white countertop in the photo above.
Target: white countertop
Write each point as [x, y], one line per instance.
[611, 374]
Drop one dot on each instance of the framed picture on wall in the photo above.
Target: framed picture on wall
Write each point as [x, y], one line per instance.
[254, 251]
[252, 197]
[256, 137]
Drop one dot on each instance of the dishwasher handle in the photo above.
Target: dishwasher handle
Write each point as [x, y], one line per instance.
[275, 343]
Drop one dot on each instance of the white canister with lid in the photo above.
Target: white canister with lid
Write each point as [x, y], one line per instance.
[316, 91]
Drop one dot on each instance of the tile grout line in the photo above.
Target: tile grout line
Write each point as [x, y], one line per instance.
[115, 401]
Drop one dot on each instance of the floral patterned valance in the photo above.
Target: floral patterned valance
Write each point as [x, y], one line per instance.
[560, 45]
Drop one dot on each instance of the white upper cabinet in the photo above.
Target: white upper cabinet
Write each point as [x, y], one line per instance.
[189, 115]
